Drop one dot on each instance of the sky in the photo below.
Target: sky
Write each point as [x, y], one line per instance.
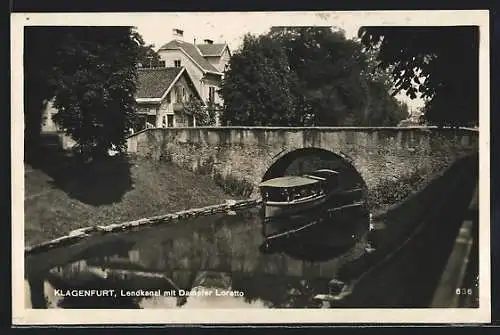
[156, 28]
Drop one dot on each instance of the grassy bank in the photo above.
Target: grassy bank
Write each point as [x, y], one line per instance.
[391, 192]
[60, 196]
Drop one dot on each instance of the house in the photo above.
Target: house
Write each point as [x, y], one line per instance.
[161, 95]
[415, 118]
[205, 63]
[52, 135]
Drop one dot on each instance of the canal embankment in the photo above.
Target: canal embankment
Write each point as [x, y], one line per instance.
[61, 196]
[414, 245]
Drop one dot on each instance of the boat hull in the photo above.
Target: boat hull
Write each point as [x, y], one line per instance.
[326, 212]
[328, 201]
[273, 210]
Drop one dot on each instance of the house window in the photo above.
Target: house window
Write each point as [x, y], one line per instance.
[178, 94]
[177, 63]
[151, 121]
[170, 120]
[211, 94]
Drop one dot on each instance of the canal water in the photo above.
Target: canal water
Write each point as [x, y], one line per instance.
[216, 261]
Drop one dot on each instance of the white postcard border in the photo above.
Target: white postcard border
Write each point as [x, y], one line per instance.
[23, 316]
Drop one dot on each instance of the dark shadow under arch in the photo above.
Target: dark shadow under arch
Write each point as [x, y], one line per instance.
[329, 239]
[306, 160]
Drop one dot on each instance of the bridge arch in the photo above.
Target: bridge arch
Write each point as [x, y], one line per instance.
[347, 229]
[303, 160]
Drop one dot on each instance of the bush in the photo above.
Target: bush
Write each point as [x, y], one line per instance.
[234, 186]
[204, 114]
[389, 192]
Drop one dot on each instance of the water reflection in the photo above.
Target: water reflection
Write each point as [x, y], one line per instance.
[320, 233]
[215, 258]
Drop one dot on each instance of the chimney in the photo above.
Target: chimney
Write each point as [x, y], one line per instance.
[178, 33]
[207, 41]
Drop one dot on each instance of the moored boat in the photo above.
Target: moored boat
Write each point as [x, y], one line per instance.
[289, 195]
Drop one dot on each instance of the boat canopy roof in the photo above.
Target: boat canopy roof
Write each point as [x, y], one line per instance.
[325, 172]
[288, 181]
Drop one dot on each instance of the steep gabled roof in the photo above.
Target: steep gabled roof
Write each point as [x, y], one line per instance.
[154, 83]
[192, 52]
[212, 49]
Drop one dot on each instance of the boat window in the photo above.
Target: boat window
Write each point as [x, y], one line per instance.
[274, 194]
[280, 194]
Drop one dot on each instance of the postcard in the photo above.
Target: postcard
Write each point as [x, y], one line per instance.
[250, 167]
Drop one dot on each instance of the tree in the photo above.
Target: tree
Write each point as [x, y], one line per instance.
[328, 68]
[257, 88]
[148, 57]
[440, 63]
[91, 74]
[39, 59]
[330, 81]
[382, 108]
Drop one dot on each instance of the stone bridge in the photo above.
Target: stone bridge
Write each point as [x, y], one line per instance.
[247, 155]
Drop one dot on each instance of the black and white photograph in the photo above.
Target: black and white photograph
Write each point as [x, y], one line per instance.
[250, 167]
